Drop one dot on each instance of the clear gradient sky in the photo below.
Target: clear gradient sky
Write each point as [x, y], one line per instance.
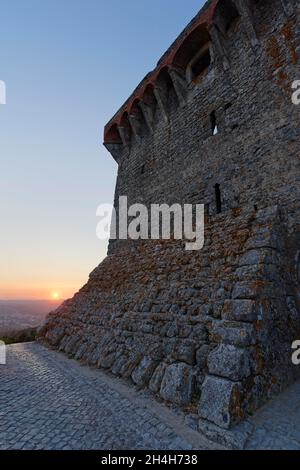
[68, 66]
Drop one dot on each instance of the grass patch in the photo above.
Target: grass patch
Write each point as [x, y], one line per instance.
[23, 336]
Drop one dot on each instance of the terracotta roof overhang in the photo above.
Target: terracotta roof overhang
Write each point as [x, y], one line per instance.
[172, 58]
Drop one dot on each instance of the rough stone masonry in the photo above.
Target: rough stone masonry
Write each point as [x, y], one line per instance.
[209, 331]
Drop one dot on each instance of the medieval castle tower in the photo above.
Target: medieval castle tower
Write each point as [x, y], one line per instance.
[214, 123]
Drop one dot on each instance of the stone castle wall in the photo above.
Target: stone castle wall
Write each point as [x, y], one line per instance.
[210, 331]
[258, 139]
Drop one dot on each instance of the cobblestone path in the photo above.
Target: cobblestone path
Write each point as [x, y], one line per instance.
[51, 402]
[277, 424]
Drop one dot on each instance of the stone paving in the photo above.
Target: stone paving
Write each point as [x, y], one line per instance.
[277, 424]
[51, 402]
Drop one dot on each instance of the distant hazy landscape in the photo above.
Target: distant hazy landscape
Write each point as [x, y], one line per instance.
[17, 315]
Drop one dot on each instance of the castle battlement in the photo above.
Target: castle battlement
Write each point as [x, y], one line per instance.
[199, 49]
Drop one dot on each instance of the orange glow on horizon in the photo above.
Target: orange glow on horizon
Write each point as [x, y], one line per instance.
[40, 292]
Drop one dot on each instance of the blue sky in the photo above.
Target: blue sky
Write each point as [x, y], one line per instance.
[68, 66]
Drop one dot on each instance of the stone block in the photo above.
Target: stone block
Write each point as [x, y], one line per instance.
[106, 361]
[236, 333]
[230, 362]
[177, 384]
[54, 336]
[142, 374]
[220, 401]
[156, 379]
[245, 290]
[185, 352]
[201, 355]
[252, 257]
[234, 439]
[240, 310]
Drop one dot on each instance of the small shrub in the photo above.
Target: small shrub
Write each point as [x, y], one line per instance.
[22, 336]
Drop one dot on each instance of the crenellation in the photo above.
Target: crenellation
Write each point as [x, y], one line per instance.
[161, 99]
[244, 8]
[219, 47]
[180, 86]
[148, 115]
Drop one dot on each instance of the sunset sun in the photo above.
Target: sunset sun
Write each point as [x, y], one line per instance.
[55, 296]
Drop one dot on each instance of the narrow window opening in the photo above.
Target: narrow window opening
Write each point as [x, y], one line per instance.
[143, 168]
[200, 65]
[213, 121]
[218, 199]
[298, 267]
[227, 106]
